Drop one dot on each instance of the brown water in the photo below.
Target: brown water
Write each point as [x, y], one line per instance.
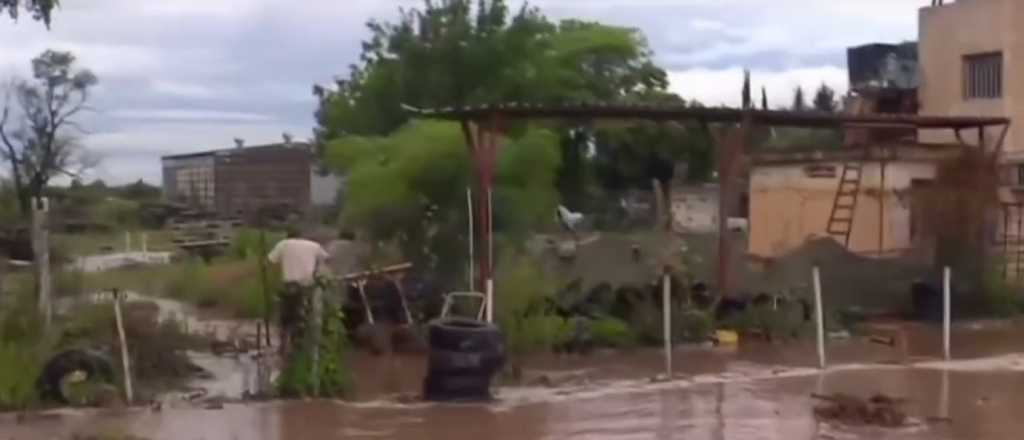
[758, 391]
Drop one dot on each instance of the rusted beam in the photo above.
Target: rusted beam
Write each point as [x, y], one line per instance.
[731, 143]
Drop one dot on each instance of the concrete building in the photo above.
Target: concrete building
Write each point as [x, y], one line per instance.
[792, 195]
[240, 180]
[971, 64]
[970, 55]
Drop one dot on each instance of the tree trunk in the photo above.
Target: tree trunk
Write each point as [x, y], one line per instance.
[659, 204]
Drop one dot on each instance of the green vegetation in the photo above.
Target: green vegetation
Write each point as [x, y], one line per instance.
[23, 349]
[611, 332]
[20, 364]
[410, 188]
[332, 378]
[522, 307]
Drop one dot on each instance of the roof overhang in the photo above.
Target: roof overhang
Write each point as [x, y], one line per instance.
[667, 113]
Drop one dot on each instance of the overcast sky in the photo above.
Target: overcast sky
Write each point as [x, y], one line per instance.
[188, 75]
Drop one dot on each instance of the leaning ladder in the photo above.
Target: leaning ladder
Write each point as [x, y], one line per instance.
[840, 221]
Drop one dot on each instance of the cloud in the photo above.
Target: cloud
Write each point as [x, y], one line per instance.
[189, 115]
[182, 74]
[722, 86]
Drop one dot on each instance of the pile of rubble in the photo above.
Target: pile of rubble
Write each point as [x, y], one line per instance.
[879, 410]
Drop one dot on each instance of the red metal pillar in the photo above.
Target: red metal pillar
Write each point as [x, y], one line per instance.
[483, 143]
[731, 144]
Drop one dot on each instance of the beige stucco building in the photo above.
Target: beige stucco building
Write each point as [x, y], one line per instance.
[792, 197]
[969, 53]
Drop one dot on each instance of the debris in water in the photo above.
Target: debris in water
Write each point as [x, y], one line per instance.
[559, 380]
[879, 410]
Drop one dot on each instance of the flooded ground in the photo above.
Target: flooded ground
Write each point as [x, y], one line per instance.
[756, 391]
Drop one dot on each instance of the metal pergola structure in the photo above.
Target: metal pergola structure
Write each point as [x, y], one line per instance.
[484, 126]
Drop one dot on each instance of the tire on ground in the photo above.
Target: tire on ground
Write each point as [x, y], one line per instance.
[448, 387]
[466, 336]
[454, 362]
[94, 364]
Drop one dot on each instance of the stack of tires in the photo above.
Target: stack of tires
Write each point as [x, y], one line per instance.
[465, 354]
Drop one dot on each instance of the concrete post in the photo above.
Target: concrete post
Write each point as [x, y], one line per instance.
[41, 253]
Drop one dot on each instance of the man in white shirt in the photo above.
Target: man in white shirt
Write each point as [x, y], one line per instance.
[299, 259]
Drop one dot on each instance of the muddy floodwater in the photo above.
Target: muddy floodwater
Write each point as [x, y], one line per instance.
[755, 391]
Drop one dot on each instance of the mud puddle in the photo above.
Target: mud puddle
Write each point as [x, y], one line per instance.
[755, 391]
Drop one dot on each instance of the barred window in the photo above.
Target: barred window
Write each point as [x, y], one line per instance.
[983, 76]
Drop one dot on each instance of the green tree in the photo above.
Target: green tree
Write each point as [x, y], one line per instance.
[455, 53]
[764, 99]
[450, 53]
[410, 187]
[38, 133]
[748, 102]
[825, 99]
[799, 102]
[39, 9]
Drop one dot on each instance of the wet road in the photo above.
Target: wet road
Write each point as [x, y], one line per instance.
[759, 391]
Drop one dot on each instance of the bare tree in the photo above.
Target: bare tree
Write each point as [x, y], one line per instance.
[37, 127]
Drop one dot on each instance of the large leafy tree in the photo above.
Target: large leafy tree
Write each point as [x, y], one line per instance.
[455, 53]
[450, 53]
[38, 9]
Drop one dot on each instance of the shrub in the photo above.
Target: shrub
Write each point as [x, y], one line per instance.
[523, 308]
[612, 332]
[335, 380]
[20, 365]
[22, 350]
[999, 298]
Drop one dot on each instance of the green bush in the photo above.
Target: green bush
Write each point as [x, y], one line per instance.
[335, 379]
[612, 332]
[22, 350]
[999, 297]
[522, 298]
[691, 325]
[20, 365]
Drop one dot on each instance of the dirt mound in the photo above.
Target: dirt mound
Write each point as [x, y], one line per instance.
[847, 279]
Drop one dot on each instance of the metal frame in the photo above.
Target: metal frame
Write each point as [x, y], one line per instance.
[483, 126]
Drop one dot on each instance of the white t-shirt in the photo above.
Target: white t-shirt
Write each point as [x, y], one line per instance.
[299, 259]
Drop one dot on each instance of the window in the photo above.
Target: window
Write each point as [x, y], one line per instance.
[983, 76]
[1019, 178]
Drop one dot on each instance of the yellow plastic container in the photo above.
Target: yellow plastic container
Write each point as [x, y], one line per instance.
[727, 337]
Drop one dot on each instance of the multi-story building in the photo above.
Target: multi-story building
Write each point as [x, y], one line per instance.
[237, 181]
[967, 51]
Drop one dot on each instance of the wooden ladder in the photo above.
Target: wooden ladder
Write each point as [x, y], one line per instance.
[840, 221]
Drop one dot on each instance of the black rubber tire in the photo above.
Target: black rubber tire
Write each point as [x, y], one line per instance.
[95, 364]
[446, 362]
[450, 387]
[466, 336]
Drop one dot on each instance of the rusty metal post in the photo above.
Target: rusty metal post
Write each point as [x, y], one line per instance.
[731, 143]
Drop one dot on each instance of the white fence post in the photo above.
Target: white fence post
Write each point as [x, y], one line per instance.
[666, 305]
[818, 317]
[946, 312]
